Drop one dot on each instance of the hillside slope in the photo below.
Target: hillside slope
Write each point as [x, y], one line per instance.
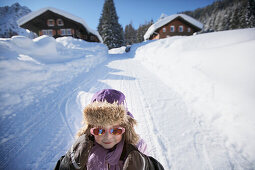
[226, 15]
[8, 21]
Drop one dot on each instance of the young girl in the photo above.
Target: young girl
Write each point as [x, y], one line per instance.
[108, 140]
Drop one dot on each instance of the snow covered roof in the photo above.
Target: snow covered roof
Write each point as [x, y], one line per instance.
[165, 20]
[34, 14]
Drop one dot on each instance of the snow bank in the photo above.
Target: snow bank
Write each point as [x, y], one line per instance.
[120, 50]
[32, 68]
[215, 74]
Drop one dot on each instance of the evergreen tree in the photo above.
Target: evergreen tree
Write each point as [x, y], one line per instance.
[226, 20]
[130, 34]
[226, 15]
[250, 15]
[136, 36]
[235, 19]
[142, 30]
[109, 28]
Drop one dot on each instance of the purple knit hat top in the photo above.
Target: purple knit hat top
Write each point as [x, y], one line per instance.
[111, 96]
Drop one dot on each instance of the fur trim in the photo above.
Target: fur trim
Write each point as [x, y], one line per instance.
[105, 114]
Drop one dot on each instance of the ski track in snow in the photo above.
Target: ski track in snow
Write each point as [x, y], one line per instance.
[164, 122]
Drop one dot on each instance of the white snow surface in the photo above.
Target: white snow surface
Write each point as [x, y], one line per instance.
[193, 97]
[119, 50]
[32, 68]
[34, 14]
[163, 20]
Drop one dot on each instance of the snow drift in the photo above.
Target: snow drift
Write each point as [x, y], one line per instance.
[215, 75]
[32, 68]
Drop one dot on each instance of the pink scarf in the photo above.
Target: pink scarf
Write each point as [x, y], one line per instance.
[100, 157]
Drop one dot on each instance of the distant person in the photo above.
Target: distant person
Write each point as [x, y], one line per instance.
[108, 140]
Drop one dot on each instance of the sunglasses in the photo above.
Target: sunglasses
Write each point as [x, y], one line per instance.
[114, 131]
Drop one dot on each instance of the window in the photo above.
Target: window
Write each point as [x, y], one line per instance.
[172, 28]
[50, 22]
[164, 29]
[78, 34]
[44, 32]
[180, 28]
[189, 30]
[47, 32]
[92, 38]
[66, 32]
[60, 22]
[63, 32]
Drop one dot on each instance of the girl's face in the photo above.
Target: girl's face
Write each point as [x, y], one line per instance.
[108, 140]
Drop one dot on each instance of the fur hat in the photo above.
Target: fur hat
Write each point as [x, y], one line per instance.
[107, 108]
[105, 114]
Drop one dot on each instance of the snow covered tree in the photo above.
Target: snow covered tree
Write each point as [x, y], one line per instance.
[109, 28]
[142, 30]
[250, 15]
[235, 19]
[226, 15]
[130, 34]
[133, 35]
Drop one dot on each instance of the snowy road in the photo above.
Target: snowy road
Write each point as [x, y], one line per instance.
[174, 137]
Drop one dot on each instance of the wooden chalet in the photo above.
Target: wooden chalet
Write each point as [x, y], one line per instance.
[57, 23]
[179, 24]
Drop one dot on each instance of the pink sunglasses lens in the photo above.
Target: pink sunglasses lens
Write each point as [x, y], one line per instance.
[113, 131]
[98, 131]
[116, 131]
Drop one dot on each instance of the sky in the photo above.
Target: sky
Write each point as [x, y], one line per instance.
[136, 12]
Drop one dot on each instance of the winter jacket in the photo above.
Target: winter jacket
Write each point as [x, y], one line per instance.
[77, 157]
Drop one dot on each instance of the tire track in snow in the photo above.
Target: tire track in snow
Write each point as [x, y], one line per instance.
[135, 102]
[30, 132]
[149, 121]
[126, 83]
[163, 150]
[48, 114]
[62, 105]
[138, 102]
[169, 150]
[198, 142]
[65, 106]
